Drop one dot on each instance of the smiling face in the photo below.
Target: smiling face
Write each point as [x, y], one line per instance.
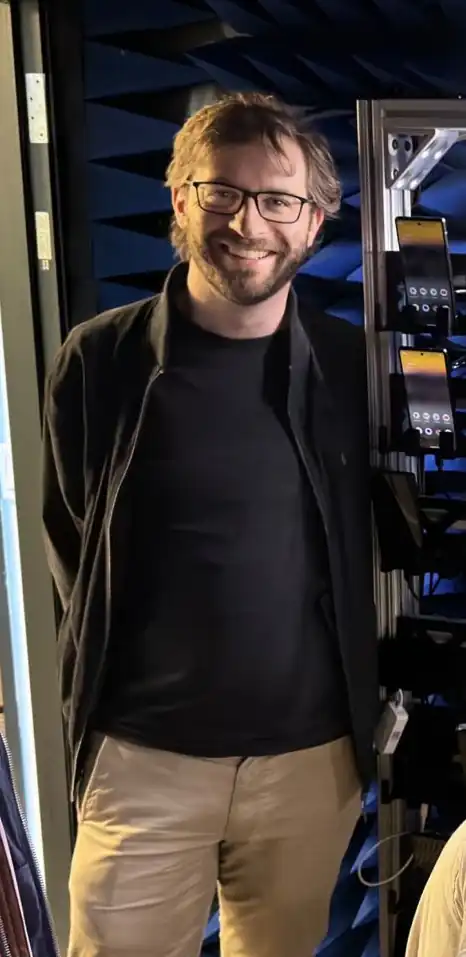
[243, 257]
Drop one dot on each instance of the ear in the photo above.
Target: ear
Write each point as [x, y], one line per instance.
[315, 225]
[179, 196]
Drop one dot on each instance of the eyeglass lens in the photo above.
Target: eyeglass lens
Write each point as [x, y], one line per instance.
[279, 207]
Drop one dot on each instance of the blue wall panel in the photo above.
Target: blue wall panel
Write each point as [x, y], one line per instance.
[107, 17]
[113, 133]
[144, 60]
[111, 71]
[115, 192]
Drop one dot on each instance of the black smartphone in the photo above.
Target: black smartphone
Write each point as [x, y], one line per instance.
[430, 411]
[426, 265]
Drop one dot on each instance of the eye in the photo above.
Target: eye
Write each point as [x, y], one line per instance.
[219, 198]
[279, 201]
[220, 193]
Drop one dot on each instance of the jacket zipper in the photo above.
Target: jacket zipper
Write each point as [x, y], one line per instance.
[6, 952]
[158, 371]
[32, 850]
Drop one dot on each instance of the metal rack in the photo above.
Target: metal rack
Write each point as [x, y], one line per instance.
[400, 142]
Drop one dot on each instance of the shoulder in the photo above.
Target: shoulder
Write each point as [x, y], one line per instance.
[445, 893]
[446, 886]
[107, 329]
[452, 864]
[95, 341]
[439, 923]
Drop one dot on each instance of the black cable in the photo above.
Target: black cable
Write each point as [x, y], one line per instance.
[411, 589]
[433, 588]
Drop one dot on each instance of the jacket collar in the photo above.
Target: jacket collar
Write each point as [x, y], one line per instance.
[160, 318]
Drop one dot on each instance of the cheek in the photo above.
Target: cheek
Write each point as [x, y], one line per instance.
[202, 224]
[297, 239]
[193, 214]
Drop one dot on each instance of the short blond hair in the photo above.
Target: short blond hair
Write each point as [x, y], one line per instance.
[241, 118]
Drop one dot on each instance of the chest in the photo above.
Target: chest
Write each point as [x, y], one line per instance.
[225, 442]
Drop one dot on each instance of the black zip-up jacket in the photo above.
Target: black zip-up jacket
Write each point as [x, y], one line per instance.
[95, 402]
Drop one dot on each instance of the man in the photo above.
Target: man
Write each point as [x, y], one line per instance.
[207, 522]
[439, 926]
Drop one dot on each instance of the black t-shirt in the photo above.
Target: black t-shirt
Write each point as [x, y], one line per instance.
[222, 640]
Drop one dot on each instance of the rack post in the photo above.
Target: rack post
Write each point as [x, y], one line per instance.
[399, 143]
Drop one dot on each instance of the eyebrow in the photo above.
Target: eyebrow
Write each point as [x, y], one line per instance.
[224, 181]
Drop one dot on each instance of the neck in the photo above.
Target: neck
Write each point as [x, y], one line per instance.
[212, 312]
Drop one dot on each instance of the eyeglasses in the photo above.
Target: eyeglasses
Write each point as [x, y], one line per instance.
[273, 206]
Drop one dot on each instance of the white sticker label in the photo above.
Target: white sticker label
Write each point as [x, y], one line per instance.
[43, 237]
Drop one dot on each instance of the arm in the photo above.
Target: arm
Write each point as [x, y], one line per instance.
[63, 470]
[439, 926]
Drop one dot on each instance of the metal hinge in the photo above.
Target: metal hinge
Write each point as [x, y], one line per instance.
[37, 108]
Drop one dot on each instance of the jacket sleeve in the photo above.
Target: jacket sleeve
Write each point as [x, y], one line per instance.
[63, 470]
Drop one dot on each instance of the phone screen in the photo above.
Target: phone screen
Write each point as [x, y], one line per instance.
[426, 265]
[428, 394]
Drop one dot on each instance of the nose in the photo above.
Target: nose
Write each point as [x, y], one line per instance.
[248, 222]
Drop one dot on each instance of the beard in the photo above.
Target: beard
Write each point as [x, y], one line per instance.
[235, 280]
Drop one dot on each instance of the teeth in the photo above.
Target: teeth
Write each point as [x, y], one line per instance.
[249, 254]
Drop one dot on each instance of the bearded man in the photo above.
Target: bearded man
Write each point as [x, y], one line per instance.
[207, 520]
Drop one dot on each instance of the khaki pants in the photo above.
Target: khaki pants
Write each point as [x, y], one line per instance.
[158, 830]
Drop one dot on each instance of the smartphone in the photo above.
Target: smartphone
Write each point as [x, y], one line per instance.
[428, 396]
[426, 265]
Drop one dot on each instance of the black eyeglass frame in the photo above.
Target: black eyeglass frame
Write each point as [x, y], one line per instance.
[250, 194]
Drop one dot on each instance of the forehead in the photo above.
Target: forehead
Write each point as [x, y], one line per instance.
[256, 166]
